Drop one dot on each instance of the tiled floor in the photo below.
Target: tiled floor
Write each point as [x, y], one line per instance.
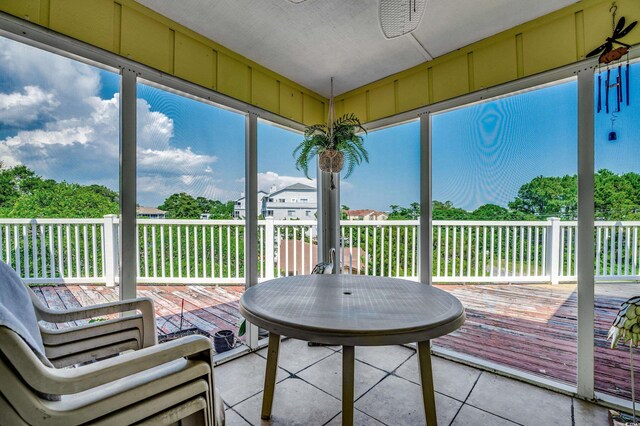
[387, 391]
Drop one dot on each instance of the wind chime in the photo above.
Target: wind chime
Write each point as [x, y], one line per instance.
[612, 59]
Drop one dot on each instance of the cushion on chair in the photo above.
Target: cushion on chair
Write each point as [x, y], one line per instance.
[17, 313]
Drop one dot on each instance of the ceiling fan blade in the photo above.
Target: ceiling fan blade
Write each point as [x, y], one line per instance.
[618, 28]
[400, 17]
[597, 50]
[627, 30]
[297, 1]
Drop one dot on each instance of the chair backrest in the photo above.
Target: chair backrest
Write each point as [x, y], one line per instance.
[17, 312]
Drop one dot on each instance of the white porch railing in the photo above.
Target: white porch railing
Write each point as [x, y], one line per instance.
[212, 251]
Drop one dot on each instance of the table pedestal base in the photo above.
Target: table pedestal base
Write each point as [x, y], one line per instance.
[426, 379]
[270, 375]
[348, 379]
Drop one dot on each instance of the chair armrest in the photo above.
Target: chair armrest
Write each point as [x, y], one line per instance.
[73, 380]
[142, 304]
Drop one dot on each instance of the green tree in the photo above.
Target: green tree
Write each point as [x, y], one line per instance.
[545, 197]
[182, 206]
[65, 200]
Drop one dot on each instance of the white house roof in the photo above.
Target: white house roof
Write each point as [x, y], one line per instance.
[295, 187]
[310, 42]
[259, 192]
[149, 210]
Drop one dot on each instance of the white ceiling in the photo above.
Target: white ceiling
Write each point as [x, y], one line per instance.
[311, 41]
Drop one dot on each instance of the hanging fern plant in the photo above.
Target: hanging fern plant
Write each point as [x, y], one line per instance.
[333, 144]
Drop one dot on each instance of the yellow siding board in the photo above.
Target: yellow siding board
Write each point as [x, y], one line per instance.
[194, 61]
[339, 108]
[382, 101]
[549, 46]
[358, 105]
[264, 91]
[450, 79]
[290, 102]
[495, 63]
[90, 21]
[313, 110]
[28, 10]
[234, 78]
[413, 90]
[146, 40]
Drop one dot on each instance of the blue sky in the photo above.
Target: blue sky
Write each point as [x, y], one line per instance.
[60, 117]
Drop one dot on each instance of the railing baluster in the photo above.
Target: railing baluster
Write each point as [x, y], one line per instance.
[7, 246]
[196, 253]
[286, 251]
[367, 252]
[454, 260]
[598, 248]
[446, 251]
[381, 251]
[154, 254]
[279, 250]
[389, 263]
[228, 251]
[413, 251]
[359, 249]
[477, 252]
[515, 251]
[536, 231]
[163, 265]
[295, 249]
[171, 267]
[43, 253]
[94, 249]
[397, 251]
[25, 247]
[237, 229]
[619, 250]
[634, 264]
[521, 250]
[145, 242]
[605, 263]
[85, 241]
[469, 238]
[60, 259]
[34, 250]
[179, 244]
[627, 243]
[507, 247]
[562, 249]
[212, 249]
[52, 258]
[499, 265]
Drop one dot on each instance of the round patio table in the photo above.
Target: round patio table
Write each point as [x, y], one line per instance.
[352, 310]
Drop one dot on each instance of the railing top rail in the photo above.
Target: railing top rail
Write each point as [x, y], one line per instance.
[284, 222]
[617, 222]
[379, 222]
[78, 221]
[491, 222]
[233, 222]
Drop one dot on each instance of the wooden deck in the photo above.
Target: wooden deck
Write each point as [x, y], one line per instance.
[531, 327]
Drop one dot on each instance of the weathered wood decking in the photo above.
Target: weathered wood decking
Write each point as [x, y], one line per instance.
[531, 327]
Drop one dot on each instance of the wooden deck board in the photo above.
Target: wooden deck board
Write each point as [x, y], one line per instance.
[524, 326]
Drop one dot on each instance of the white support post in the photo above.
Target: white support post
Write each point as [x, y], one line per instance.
[269, 246]
[426, 245]
[128, 227]
[553, 250]
[585, 234]
[110, 252]
[251, 215]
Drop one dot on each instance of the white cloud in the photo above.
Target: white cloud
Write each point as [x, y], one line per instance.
[77, 133]
[20, 108]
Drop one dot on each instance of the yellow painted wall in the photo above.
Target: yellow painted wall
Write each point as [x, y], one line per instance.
[131, 30]
[552, 41]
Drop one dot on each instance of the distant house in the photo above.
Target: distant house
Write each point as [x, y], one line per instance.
[240, 204]
[297, 201]
[366, 215]
[150, 213]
